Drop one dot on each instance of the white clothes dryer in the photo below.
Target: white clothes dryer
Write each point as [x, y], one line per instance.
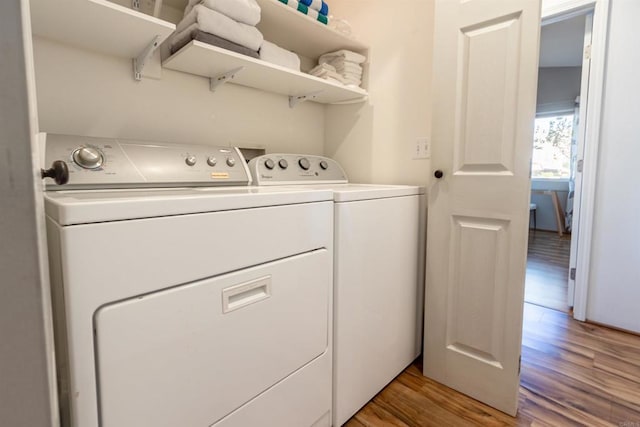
[378, 274]
[203, 302]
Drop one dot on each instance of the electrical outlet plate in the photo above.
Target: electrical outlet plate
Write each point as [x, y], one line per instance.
[421, 149]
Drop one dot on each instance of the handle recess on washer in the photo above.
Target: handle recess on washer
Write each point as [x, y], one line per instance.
[238, 296]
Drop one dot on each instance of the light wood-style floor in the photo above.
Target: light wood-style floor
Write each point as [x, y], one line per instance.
[548, 269]
[573, 374]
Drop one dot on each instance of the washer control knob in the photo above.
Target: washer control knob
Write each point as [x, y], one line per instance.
[231, 162]
[212, 161]
[304, 163]
[283, 164]
[190, 160]
[88, 157]
[269, 164]
[324, 165]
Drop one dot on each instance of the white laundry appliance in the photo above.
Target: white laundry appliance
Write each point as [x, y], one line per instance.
[183, 296]
[378, 279]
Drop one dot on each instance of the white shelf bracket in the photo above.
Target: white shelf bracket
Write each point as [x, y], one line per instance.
[141, 60]
[221, 79]
[295, 100]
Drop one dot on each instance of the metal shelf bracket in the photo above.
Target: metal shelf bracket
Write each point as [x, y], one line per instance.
[221, 79]
[140, 61]
[295, 100]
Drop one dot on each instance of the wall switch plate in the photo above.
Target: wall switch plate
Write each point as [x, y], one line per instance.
[421, 149]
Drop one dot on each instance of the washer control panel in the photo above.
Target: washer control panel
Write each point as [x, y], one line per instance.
[286, 169]
[116, 163]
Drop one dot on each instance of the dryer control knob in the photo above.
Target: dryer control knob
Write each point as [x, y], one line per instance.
[304, 163]
[283, 164]
[324, 165]
[88, 157]
[212, 161]
[269, 164]
[231, 161]
[190, 160]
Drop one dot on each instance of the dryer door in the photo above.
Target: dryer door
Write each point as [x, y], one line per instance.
[190, 355]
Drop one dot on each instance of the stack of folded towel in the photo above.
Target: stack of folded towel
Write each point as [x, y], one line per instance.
[343, 66]
[317, 10]
[229, 24]
[328, 72]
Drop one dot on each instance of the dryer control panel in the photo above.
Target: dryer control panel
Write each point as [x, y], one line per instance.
[287, 169]
[117, 163]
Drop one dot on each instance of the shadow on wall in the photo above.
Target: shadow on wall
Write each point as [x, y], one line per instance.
[348, 136]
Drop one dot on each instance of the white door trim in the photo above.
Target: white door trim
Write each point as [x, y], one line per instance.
[27, 364]
[551, 11]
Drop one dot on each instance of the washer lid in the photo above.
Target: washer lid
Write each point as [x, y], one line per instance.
[355, 192]
[82, 207]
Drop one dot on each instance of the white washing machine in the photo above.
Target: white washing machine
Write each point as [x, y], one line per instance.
[378, 279]
[204, 304]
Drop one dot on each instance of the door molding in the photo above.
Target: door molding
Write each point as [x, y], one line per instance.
[27, 365]
[552, 11]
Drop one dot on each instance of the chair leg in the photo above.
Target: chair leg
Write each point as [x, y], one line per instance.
[534, 219]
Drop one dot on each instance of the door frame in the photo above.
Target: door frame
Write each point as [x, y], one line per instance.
[557, 10]
[26, 354]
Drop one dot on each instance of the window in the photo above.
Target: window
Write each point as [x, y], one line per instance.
[552, 147]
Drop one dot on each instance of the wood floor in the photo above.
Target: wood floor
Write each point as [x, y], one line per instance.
[548, 270]
[573, 374]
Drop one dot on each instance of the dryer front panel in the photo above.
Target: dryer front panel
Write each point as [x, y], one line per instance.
[192, 354]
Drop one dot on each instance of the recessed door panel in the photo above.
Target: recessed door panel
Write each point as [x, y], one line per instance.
[479, 251]
[487, 96]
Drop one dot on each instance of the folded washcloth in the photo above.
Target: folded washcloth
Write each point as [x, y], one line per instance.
[245, 11]
[352, 82]
[344, 66]
[178, 40]
[322, 67]
[220, 25]
[346, 55]
[318, 5]
[326, 74]
[302, 8]
[274, 54]
[350, 76]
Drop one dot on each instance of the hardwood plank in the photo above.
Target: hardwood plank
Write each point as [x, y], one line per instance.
[548, 270]
[621, 366]
[373, 415]
[623, 416]
[573, 374]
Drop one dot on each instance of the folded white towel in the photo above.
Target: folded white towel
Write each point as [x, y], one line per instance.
[322, 67]
[274, 54]
[341, 64]
[326, 74]
[245, 11]
[220, 25]
[347, 67]
[346, 55]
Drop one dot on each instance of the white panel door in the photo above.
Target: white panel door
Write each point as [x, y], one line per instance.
[485, 77]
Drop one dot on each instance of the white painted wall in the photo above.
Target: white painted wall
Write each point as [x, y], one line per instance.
[558, 88]
[86, 93]
[614, 282]
[373, 141]
[545, 212]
